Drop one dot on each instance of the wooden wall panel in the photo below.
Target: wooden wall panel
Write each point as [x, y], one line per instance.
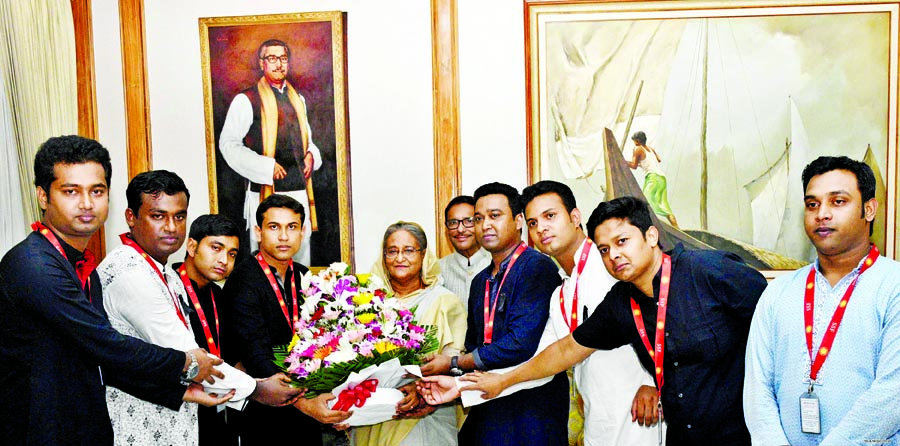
[445, 73]
[87, 96]
[134, 70]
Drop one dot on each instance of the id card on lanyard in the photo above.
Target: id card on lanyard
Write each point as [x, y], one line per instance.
[657, 351]
[810, 413]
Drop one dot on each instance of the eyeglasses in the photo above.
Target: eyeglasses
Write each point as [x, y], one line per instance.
[407, 252]
[273, 59]
[468, 222]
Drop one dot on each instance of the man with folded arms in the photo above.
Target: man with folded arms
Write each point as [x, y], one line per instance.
[54, 332]
[823, 359]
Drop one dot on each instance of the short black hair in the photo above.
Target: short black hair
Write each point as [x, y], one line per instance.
[272, 42]
[634, 210]
[549, 187]
[279, 201]
[462, 199]
[512, 195]
[153, 183]
[865, 178]
[213, 225]
[69, 149]
[640, 137]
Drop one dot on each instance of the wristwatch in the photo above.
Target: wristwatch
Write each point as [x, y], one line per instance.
[192, 371]
[454, 367]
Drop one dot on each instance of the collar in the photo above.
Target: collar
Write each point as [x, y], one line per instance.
[821, 281]
[72, 255]
[675, 253]
[504, 263]
[279, 90]
[465, 261]
[576, 257]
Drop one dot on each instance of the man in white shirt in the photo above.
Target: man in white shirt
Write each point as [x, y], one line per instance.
[468, 258]
[145, 298]
[607, 380]
[266, 138]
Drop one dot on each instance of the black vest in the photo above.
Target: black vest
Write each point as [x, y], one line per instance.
[288, 145]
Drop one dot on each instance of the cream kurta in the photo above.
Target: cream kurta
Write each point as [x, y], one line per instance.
[438, 307]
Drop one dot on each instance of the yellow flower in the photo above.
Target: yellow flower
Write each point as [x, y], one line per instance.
[363, 298]
[385, 346]
[363, 278]
[294, 341]
[365, 318]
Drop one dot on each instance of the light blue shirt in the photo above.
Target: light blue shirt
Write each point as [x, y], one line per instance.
[859, 383]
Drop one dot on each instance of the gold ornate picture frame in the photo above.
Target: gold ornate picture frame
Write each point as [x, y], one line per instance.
[318, 73]
[735, 98]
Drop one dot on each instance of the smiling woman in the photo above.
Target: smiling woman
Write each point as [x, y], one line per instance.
[412, 273]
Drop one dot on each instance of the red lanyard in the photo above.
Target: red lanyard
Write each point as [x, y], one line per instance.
[83, 268]
[582, 260]
[126, 240]
[489, 311]
[213, 348]
[657, 354]
[828, 337]
[271, 277]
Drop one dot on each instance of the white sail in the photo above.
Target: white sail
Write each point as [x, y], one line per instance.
[767, 201]
[592, 80]
[792, 239]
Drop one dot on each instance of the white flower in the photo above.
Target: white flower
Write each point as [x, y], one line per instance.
[306, 280]
[340, 268]
[344, 352]
[375, 282]
[309, 306]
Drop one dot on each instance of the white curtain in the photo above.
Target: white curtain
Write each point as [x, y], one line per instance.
[12, 218]
[37, 59]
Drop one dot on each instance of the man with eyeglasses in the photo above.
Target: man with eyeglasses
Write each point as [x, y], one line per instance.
[468, 258]
[266, 139]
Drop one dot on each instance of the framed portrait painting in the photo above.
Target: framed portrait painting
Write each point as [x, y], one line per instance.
[276, 123]
[709, 111]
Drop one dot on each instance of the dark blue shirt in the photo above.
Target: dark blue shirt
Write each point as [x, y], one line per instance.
[51, 343]
[535, 416]
[712, 297]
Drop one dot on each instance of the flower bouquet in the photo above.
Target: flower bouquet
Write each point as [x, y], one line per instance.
[348, 324]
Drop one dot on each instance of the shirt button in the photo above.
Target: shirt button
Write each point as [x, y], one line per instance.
[675, 364]
[680, 395]
[688, 426]
[667, 334]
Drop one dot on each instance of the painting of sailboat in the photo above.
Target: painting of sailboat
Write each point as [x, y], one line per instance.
[733, 103]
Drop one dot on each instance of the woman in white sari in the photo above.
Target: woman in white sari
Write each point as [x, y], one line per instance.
[412, 272]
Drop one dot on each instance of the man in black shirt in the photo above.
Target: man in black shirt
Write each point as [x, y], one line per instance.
[263, 296]
[703, 300]
[212, 246]
[54, 331]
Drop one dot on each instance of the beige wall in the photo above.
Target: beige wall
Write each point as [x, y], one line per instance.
[390, 101]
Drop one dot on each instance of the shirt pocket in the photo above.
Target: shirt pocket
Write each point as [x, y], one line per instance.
[699, 345]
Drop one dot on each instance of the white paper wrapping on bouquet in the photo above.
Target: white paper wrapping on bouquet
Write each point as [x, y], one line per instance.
[382, 404]
[242, 384]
